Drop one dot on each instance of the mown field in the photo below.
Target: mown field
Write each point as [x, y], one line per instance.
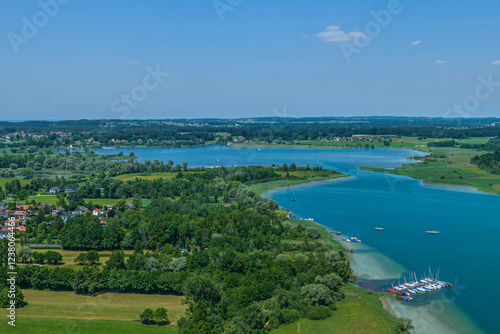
[360, 312]
[67, 312]
[454, 169]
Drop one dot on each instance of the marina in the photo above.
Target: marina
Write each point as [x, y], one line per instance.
[415, 286]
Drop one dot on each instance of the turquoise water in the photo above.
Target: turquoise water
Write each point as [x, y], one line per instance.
[466, 252]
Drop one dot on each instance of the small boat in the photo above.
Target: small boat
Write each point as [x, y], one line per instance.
[337, 232]
[390, 290]
[351, 250]
[379, 228]
[293, 199]
[432, 232]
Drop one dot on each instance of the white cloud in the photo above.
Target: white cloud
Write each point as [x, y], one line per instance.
[440, 61]
[334, 34]
[415, 43]
[135, 62]
[496, 62]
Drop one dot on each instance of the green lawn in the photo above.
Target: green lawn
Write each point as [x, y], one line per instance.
[454, 168]
[360, 312]
[75, 326]
[67, 312]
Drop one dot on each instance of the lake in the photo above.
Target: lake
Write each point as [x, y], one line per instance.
[466, 252]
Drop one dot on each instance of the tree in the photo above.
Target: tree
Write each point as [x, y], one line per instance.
[25, 253]
[121, 206]
[185, 166]
[38, 257]
[152, 263]
[147, 316]
[52, 257]
[81, 259]
[92, 257]
[87, 280]
[28, 173]
[161, 316]
[5, 300]
[317, 294]
[116, 260]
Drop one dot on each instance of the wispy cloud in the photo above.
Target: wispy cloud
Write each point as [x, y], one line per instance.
[334, 34]
[134, 62]
[496, 62]
[440, 61]
[415, 43]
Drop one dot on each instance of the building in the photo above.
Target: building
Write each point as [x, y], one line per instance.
[97, 212]
[66, 216]
[4, 232]
[54, 190]
[70, 189]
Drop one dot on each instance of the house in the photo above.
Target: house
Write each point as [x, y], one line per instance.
[129, 206]
[21, 228]
[57, 210]
[70, 189]
[66, 216]
[97, 212]
[3, 206]
[80, 210]
[54, 190]
[109, 207]
[4, 232]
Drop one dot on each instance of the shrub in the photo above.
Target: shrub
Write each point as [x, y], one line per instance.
[319, 312]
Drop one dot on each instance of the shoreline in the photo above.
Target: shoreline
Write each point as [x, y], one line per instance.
[423, 319]
[368, 168]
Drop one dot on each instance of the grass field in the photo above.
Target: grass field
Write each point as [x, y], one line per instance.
[359, 313]
[455, 169]
[4, 180]
[261, 188]
[67, 312]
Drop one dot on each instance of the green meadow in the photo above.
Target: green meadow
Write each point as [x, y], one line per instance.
[449, 166]
[67, 312]
[360, 312]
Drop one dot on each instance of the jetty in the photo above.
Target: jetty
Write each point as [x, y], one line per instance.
[414, 286]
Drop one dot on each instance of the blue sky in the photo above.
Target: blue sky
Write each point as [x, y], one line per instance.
[264, 58]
